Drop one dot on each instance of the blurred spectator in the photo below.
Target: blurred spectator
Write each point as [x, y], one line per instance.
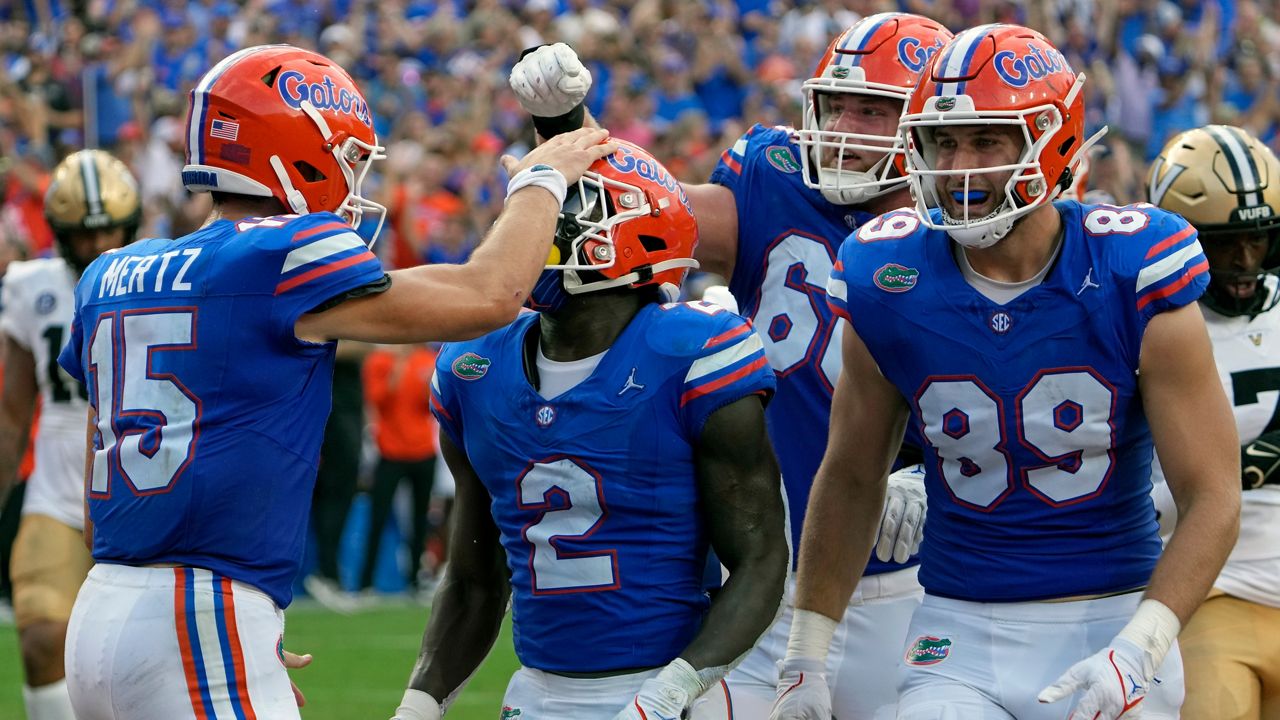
[397, 380]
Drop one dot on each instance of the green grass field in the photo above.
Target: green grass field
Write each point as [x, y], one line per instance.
[361, 664]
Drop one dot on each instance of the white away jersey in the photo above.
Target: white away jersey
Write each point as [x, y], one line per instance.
[38, 304]
[1247, 352]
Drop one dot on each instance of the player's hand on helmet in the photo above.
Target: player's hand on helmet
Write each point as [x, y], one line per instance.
[292, 661]
[570, 153]
[802, 691]
[550, 81]
[418, 705]
[656, 700]
[902, 521]
[1111, 683]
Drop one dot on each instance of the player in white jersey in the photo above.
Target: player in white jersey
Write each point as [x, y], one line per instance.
[92, 205]
[1227, 184]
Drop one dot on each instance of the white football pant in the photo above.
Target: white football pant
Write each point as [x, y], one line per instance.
[861, 667]
[989, 661]
[149, 643]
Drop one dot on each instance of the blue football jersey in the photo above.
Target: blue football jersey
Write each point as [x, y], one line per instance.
[788, 235]
[210, 411]
[1037, 449]
[594, 491]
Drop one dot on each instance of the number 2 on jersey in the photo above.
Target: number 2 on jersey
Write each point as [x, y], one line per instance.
[148, 420]
[580, 514]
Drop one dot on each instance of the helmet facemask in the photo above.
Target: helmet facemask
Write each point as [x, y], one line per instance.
[1265, 280]
[838, 185]
[584, 246]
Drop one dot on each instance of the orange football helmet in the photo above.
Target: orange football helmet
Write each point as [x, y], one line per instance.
[627, 222]
[880, 55]
[998, 75]
[283, 122]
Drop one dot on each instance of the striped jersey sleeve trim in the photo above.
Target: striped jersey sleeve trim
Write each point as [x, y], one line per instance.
[319, 229]
[323, 270]
[1172, 289]
[714, 385]
[1169, 242]
[723, 337]
[320, 249]
[1167, 266]
[718, 361]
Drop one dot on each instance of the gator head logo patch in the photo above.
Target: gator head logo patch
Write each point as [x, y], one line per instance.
[945, 103]
[896, 278]
[840, 72]
[928, 650]
[782, 159]
[471, 366]
[510, 713]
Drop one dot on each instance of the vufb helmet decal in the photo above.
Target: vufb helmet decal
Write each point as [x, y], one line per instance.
[323, 95]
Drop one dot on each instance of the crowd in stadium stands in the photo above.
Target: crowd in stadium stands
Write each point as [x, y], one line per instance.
[683, 79]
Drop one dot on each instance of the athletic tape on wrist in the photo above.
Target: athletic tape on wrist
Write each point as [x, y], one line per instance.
[543, 176]
[811, 634]
[418, 705]
[1153, 628]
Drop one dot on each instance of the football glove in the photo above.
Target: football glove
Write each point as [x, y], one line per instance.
[657, 700]
[1112, 681]
[902, 522]
[1260, 461]
[550, 81]
[802, 690]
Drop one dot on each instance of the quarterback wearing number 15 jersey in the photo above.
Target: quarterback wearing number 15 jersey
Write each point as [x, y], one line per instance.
[207, 445]
[1037, 449]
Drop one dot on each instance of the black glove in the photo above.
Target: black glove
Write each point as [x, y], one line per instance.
[1260, 461]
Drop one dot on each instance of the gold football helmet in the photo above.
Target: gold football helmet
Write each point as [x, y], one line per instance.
[91, 191]
[1226, 183]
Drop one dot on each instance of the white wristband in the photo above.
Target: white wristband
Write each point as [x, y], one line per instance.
[543, 176]
[811, 634]
[418, 705]
[1153, 628]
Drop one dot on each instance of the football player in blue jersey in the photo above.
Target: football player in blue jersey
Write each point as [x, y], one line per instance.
[1041, 348]
[600, 446]
[207, 361]
[771, 219]
[1226, 182]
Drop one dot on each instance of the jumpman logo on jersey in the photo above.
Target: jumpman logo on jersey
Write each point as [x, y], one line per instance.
[631, 383]
[1088, 282]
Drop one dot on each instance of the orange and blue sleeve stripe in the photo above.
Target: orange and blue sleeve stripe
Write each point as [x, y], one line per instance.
[1173, 273]
[730, 359]
[729, 169]
[318, 251]
[209, 639]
